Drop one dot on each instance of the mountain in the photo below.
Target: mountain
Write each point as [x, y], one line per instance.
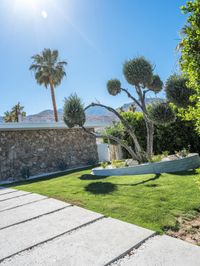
[43, 117]
[148, 101]
[94, 115]
[97, 111]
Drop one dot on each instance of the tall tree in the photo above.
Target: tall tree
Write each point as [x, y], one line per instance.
[15, 113]
[190, 55]
[139, 73]
[49, 71]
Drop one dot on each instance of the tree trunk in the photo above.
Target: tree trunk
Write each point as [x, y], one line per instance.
[53, 100]
[150, 132]
[149, 124]
[138, 150]
[134, 155]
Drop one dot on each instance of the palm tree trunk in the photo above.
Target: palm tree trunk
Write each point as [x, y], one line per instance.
[53, 100]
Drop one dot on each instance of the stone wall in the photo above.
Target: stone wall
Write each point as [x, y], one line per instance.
[44, 150]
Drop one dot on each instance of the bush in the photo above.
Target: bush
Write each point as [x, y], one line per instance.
[118, 164]
[170, 138]
[161, 113]
[74, 114]
[177, 91]
[104, 164]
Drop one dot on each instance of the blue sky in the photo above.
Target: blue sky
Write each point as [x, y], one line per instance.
[95, 37]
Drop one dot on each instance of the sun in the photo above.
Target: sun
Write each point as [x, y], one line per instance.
[44, 14]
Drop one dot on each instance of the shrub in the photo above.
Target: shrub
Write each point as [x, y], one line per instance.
[168, 138]
[118, 164]
[74, 114]
[177, 91]
[161, 113]
[183, 153]
[104, 164]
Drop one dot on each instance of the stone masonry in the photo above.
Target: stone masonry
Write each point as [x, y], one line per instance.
[44, 150]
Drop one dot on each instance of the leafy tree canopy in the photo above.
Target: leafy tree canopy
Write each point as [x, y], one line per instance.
[190, 56]
[47, 66]
[114, 86]
[177, 91]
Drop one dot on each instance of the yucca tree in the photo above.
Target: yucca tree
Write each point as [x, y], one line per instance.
[49, 71]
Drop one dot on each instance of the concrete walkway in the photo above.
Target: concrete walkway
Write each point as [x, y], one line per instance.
[36, 230]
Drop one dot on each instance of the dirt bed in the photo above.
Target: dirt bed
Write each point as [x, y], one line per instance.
[189, 230]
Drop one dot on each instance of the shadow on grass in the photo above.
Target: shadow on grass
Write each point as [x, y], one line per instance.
[47, 177]
[143, 182]
[151, 185]
[100, 188]
[91, 177]
[184, 173]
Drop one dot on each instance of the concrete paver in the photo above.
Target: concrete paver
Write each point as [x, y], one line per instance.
[6, 190]
[164, 251]
[42, 229]
[95, 244]
[38, 231]
[12, 203]
[13, 195]
[30, 211]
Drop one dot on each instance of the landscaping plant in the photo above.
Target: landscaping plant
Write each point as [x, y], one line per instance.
[49, 71]
[139, 73]
[189, 59]
[13, 115]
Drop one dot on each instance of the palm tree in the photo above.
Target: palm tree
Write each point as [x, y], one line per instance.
[17, 110]
[49, 71]
[13, 115]
[8, 117]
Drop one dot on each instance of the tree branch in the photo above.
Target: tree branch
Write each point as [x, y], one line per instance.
[131, 97]
[119, 141]
[125, 123]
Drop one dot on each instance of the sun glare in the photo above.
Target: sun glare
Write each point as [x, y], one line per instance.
[31, 7]
[26, 4]
[44, 14]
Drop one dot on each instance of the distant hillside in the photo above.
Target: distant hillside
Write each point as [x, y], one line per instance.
[148, 101]
[94, 115]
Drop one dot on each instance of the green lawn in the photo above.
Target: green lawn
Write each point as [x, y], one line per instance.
[151, 201]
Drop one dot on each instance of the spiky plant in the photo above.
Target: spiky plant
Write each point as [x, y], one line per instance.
[161, 113]
[74, 114]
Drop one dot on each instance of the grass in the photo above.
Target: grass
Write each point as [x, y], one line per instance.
[151, 201]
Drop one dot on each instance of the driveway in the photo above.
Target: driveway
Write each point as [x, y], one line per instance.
[37, 230]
